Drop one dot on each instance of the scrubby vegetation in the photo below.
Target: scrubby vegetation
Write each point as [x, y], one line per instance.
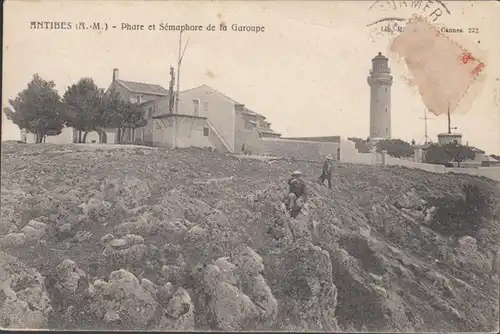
[150, 238]
[465, 213]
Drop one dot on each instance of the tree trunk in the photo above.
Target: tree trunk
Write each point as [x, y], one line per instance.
[85, 136]
[39, 138]
[79, 136]
[133, 135]
[118, 135]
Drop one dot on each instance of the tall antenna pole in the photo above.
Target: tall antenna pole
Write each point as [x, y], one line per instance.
[171, 91]
[179, 61]
[425, 118]
[449, 120]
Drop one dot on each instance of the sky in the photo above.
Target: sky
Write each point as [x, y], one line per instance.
[307, 72]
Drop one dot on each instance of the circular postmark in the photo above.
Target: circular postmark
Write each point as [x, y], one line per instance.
[389, 17]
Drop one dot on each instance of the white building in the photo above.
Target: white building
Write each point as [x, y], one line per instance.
[446, 138]
[380, 82]
[67, 136]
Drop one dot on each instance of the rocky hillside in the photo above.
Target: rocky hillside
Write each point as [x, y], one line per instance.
[144, 238]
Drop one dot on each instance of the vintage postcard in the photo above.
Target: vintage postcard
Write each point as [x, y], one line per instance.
[327, 166]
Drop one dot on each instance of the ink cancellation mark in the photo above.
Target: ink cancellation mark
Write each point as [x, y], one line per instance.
[433, 8]
[392, 25]
[443, 70]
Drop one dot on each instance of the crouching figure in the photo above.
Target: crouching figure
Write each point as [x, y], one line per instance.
[297, 194]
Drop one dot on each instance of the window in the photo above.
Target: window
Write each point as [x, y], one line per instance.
[206, 108]
[205, 132]
[386, 130]
[386, 89]
[196, 107]
[250, 125]
[385, 109]
[149, 113]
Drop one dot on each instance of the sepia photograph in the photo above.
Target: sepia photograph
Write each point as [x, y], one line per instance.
[294, 166]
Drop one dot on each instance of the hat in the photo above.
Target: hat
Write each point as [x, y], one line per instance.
[297, 172]
[329, 157]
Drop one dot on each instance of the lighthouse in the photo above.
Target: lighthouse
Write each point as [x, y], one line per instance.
[380, 82]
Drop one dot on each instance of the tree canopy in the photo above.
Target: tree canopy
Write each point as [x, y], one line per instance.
[38, 109]
[361, 145]
[396, 148]
[121, 114]
[84, 106]
[442, 154]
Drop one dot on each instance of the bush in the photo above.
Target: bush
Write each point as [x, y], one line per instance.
[463, 216]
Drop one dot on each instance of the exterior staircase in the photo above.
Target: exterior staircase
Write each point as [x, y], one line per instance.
[214, 134]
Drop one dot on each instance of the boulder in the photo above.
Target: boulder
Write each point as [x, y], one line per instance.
[229, 308]
[34, 230]
[302, 283]
[179, 313]
[68, 276]
[26, 304]
[122, 299]
[13, 240]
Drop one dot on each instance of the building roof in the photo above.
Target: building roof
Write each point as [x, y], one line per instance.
[268, 130]
[476, 150]
[446, 134]
[252, 113]
[379, 56]
[215, 91]
[145, 88]
[163, 116]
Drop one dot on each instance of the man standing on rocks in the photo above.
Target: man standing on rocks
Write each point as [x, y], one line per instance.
[327, 171]
[297, 194]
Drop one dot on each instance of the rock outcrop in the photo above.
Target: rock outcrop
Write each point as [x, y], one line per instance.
[24, 302]
[158, 239]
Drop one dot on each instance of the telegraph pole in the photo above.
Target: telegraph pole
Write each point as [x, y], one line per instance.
[425, 118]
[171, 91]
[179, 61]
[449, 121]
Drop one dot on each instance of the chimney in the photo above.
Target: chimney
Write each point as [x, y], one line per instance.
[116, 74]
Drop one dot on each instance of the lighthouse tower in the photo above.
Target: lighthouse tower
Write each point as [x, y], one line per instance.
[380, 82]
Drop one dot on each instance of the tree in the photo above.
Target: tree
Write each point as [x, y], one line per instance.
[396, 148]
[459, 152]
[110, 109]
[437, 154]
[124, 116]
[361, 145]
[85, 107]
[38, 109]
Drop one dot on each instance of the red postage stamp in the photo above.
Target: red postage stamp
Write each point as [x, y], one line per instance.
[443, 69]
